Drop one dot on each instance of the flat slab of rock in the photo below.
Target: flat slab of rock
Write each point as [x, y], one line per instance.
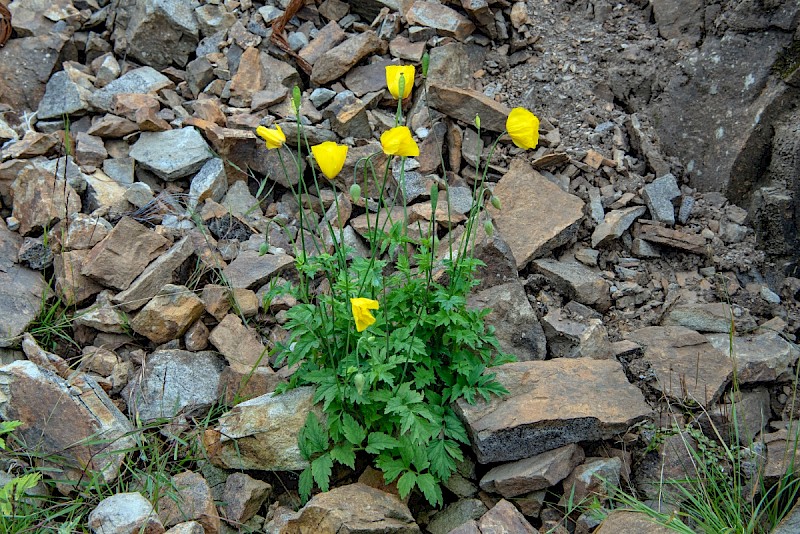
[464, 104]
[74, 420]
[550, 404]
[446, 21]
[615, 223]
[261, 433]
[125, 512]
[703, 317]
[623, 522]
[760, 358]
[239, 344]
[354, 508]
[537, 216]
[532, 474]
[577, 282]
[249, 270]
[685, 365]
[169, 314]
[171, 154]
[172, 381]
[140, 81]
[341, 58]
[21, 290]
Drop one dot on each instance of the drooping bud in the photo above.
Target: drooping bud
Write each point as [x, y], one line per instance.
[355, 192]
[488, 227]
[426, 61]
[358, 382]
[263, 249]
[495, 202]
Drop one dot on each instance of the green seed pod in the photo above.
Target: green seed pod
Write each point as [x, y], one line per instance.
[495, 202]
[426, 60]
[355, 192]
[358, 382]
[402, 85]
[488, 228]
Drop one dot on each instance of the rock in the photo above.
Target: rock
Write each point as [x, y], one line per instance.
[759, 358]
[752, 409]
[209, 182]
[41, 198]
[672, 459]
[261, 433]
[125, 513]
[614, 225]
[21, 290]
[532, 474]
[154, 277]
[401, 48]
[172, 154]
[173, 382]
[537, 216]
[168, 315]
[196, 337]
[708, 317]
[213, 18]
[191, 499]
[505, 518]
[353, 508]
[243, 497]
[239, 344]
[659, 195]
[516, 325]
[550, 404]
[594, 477]
[576, 335]
[368, 78]
[90, 433]
[456, 514]
[240, 202]
[577, 282]
[464, 104]
[90, 152]
[236, 386]
[119, 258]
[187, 527]
[693, 243]
[624, 522]
[102, 316]
[249, 270]
[140, 81]
[63, 96]
[23, 88]
[335, 63]
[783, 454]
[71, 285]
[684, 363]
[444, 20]
[328, 37]
[160, 33]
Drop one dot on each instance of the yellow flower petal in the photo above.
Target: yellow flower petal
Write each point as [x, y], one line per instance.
[330, 157]
[398, 142]
[523, 127]
[393, 73]
[361, 313]
[274, 138]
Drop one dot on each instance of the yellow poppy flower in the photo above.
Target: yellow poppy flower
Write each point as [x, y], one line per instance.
[398, 142]
[274, 138]
[523, 127]
[361, 314]
[330, 157]
[393, 73]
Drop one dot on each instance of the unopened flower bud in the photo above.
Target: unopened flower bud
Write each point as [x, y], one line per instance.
[358, 382]
[495, 202]
[296, 99]
[488, 228]
[426, 60]
[355, 192]
[478, 121]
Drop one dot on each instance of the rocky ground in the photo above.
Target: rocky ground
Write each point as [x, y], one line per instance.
[137, 201]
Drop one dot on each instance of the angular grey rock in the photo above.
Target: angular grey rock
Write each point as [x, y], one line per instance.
[537, 216]
[243, 497]
[532, 474]
[683, 364]
[240, 202]
[261, 433]
[571, 336]
[171, 154]
[623, 522]
[41, 197]
[516, 325]
[577, 282]
[172, 382]
[249, 270]
[23, 88]
[464, 104]
[168, 315]
[209, 182]
[685, 211]
[62, 97]
[191, 499]
[89, 432]
[154, 276]
[552, 403]
[595, 476]
[504, 517]
[759, 358]
[125, 513]
[161, 32]
[447, 21]
[338, 60]
[455, 515]
[703, 317]
[659, 195]
[140, 81]
[615, 223]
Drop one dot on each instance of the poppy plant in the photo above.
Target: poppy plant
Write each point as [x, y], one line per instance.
[361, 312]
[398, 142]
[393, 74]
[523, 127]
[274, 137]
[330, 157]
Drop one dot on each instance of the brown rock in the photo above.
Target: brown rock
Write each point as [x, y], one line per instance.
[119, 258]
[354, 508]
[400, 47]
[236, 386]
[552, 403]
[532, 474]
[537, 216]
[504, 517]
[192, 500]
[112, 126]
[595, 477]
[383, 220]
[196, 337]
[249, 77]
[128, 104]
[673, 238]
[445, 20]
[685, 365]
[576, 282]
[23, 88]
[239, 344]
[71, 285]
[168, 315]
[328, 37]
[84, 231]
[249, 270]
[337, 61]
[622, 522]
[41, 198]
[464, 104]
[243, 497]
